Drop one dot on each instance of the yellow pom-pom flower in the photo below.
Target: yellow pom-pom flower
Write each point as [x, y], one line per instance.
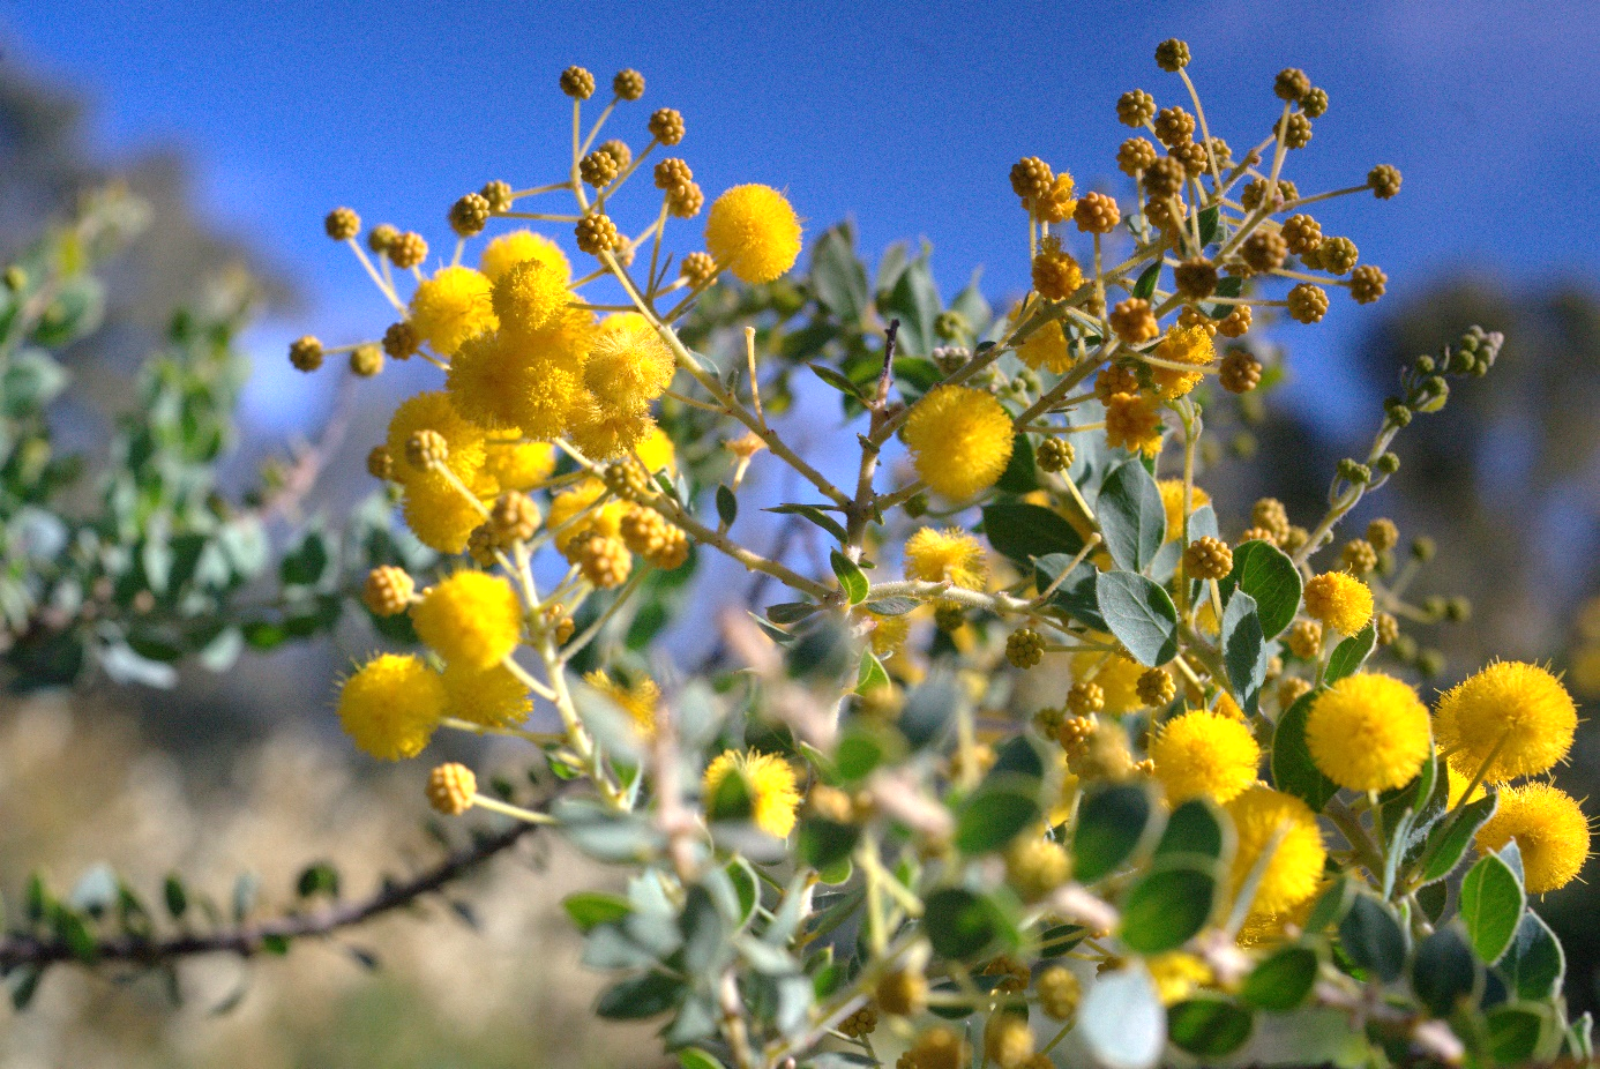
[1133, 422]
[1339, 600]
[391, 706]
[657, 452]
[520, 246]
[640, 701]
[532, 383]
[1207, 754]
[529, 297]
[1369, 732]
[1550, 829]
[1116, 676]
[1190, 346]
[1046, 348]
[471, 619]
[960, 440]
[575, 513]
[1458, 787]
[434, 411]
[934, 556]
[1172, 502]
[1265, 820]
[519, 466]
[451, 307]
[629, 365]
[754, 233]
[1177, 975]
[768, 782]
[440, 516]
[1517, 714]
[606, 432]
[493, 697]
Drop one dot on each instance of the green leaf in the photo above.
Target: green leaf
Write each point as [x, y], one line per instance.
[1122, 1020]
[1141, 614]
[1293, 771]
[892, 606]
[915, 300]
[824, 843]
[1371, 934]
[705, 933]
[1491, 906]
[1167, 907]
[640, 997]
[694, 1057]
[1146, 283]
[1021, 531]
[1445, 972]
[589, 908]
[929, 710]
[1348, 656]
[1076, 594]
[1209, 1027]
[727, 505]
[1244, 650]
[872, 674]
[1267, 574]
[790, 612]
[960, 924]
[852, 580]
[858, 753]
[306, 564]
[30, 381]
[837, 380]
[838, 278]
[1111, 823]
[1451, 838]
[1282, 982]
[1132, 517]
[1208, 225]
[1516, 1032]
[1195, 828]
[1231, 286]
[1534, 964]
[815, 514]
[1020, 475]
[996, 813]
[1331, 906]
[319, 878]
[176, 896]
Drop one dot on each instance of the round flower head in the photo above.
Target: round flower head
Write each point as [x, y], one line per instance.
[1116, 676]
[1046, 348]
[1458, 787]
[1265, 820]
[434, 411]
[605, 432]
[440, 516]
[1517, 714]
[391, 706]
[960, 440]
[935, 556]
[753, 232]
[521, 466]
[471, 619]
[530, 296]
[1172, 502]
[573, 514]
[1133, 422]
[493, 697]
[533, 383]
[451, 307]
[1369, 732]
[639, 701]
[1550, 829]
[1182, 345]
[519, 246]
[1339, 600]
[1204, 754]
[657, 452]
[629, 365]
[769, 783]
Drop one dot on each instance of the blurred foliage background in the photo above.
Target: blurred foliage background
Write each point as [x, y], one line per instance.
[243, 770]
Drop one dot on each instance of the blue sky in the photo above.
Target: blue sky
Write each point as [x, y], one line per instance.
[906, 116]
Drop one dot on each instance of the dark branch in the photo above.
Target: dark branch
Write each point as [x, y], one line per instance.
[247, 940]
